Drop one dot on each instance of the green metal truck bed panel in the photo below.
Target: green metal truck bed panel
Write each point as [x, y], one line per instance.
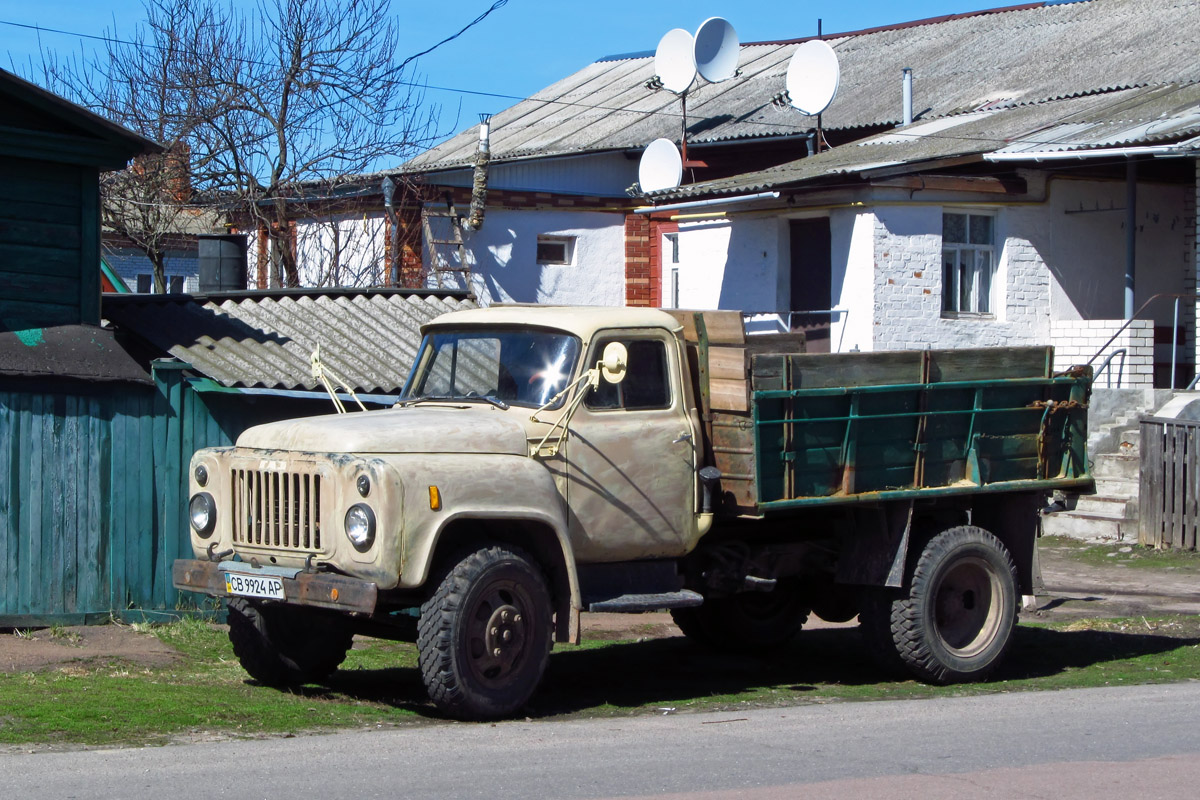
[862, 427]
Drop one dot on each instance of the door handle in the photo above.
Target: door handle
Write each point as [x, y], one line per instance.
[683, 437]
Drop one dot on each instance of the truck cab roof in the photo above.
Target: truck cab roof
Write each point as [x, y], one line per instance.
[583, 321]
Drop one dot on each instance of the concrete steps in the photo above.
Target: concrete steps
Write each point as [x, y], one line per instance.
[1111, 514]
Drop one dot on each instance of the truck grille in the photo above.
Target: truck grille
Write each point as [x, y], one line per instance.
[277, 509]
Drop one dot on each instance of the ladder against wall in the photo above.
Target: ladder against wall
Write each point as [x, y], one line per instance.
[441, 226]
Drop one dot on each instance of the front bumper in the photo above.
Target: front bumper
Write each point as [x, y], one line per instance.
[322, 590]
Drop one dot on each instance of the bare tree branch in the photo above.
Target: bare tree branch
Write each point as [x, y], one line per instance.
[264, 108]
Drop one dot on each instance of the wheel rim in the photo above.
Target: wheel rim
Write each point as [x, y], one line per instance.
[967, 612]
[497, 632]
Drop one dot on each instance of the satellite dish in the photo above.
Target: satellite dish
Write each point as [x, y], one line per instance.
[716, 50]
[674, 61]
[813, 75]
[661, 166]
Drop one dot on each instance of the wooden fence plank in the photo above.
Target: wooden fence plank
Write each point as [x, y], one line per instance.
[1169, 484]
[10, 499]
[1189, 489]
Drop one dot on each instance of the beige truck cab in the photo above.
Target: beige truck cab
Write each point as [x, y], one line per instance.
[515, 458]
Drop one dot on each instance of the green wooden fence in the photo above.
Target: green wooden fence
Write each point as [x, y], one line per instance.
[93, 486]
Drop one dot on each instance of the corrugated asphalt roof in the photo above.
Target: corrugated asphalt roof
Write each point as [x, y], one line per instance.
[1123, 118]
[1002, 59]
[368, 337]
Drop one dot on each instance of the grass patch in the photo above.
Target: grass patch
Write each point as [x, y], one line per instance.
[207, 694]
[1128, 555]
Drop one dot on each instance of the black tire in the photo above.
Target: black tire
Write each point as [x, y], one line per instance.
[745, 621]
[283, 646]
[484, 637]
[956, 620]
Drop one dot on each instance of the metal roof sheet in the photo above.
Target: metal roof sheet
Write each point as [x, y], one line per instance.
[367, 337]
[1005, 58]
[1126, 117]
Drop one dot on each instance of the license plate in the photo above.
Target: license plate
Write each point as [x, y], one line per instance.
[253, 585]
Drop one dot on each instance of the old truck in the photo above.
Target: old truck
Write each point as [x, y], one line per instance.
[542, 462]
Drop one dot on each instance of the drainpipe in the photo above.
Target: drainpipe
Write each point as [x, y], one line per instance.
[1130, 233]
[907, 83]
[479, 181]
[389, 207]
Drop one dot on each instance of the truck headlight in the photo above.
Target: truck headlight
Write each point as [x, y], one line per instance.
[360, 527]
[202, 513]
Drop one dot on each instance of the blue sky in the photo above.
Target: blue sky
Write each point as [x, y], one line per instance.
[520, 48]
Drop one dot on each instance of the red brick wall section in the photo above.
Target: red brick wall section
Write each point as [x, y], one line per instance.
[411, 268]
[644, 259]
[638, 261]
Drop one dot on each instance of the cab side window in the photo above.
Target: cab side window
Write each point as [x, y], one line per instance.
[646, 385]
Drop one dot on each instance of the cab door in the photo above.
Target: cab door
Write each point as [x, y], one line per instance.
[631, 457]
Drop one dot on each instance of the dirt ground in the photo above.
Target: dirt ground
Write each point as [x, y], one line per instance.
[1074, 589]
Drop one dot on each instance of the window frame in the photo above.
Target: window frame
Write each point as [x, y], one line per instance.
[627, 338]
[568, 245]
[980, 302]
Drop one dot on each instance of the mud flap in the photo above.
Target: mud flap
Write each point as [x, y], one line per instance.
[875, 551]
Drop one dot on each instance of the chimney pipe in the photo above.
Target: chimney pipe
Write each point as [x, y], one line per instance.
[479, 181]
[908, 114]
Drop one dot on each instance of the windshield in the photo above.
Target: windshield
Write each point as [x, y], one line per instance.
[523, 367]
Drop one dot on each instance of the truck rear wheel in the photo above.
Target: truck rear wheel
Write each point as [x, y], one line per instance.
[750, 620]
[956, 620]
[284, 646]
[484, 637]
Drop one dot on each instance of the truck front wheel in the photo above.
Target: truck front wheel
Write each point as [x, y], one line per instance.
[956, 620]
[282, 646]
[484, 636]
[746, 621]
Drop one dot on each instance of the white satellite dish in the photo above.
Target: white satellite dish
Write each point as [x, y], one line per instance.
[716, 50]
[674, 61]
[661, 166]
[813, 75]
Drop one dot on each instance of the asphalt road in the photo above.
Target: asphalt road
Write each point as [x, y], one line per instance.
[1127, 742]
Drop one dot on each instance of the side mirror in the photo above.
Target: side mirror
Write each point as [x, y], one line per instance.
[614, 362]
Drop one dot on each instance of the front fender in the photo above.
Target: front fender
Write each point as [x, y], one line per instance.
[474, 486]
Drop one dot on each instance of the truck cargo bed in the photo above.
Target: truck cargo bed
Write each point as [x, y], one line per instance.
[854, 427]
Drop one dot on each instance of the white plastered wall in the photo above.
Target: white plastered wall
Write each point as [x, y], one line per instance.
[730, 264]
[852, 258]
[502, 256]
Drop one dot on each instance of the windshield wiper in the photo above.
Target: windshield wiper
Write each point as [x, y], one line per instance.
[496, 401]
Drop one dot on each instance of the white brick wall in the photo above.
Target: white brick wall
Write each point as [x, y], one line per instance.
[1076, 341]
[908, 286]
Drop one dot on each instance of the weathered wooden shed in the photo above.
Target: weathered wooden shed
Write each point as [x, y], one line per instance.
[66, 385]
[51, 155]
[93, 464]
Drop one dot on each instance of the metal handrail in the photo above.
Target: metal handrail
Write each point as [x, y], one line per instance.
[1183, 296]
[1119, 351]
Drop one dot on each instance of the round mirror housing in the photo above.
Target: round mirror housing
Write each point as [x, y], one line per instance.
[614, 362]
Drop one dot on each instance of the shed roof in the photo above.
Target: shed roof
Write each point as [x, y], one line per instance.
[40, 124]
[1003, 59]
[78, 352]
[368, 337]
